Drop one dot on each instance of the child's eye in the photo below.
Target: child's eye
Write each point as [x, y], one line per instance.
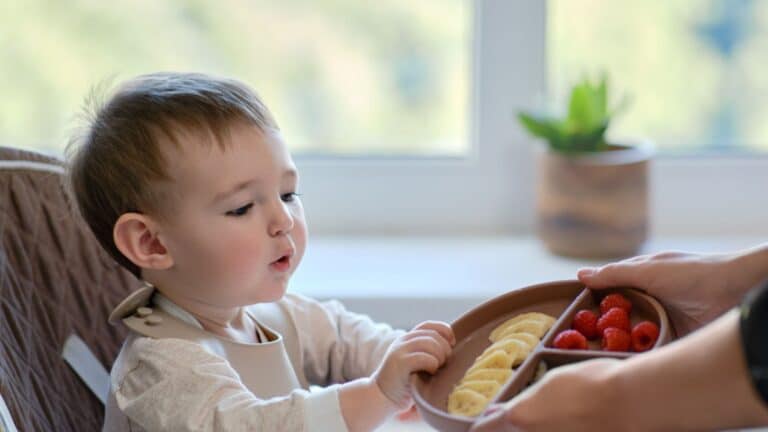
[242, 211]
[289, 197]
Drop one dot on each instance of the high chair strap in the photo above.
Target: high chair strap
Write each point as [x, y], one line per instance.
[85, 364]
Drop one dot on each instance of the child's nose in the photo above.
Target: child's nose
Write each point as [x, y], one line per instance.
[282, 221]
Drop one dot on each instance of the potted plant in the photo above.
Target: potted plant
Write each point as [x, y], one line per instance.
[591, 193]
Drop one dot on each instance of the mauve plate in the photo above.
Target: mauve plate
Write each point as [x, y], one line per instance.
[561, 299]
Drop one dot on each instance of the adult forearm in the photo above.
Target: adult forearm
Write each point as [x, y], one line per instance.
[697, 383]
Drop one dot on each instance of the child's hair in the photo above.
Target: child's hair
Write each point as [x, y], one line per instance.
[116, 162]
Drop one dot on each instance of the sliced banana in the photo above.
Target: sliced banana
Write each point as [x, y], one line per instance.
[498, 359]
[540, 371]
[499, 375]
[529, 316]
[513, 341]
[526, 338]
[487, 388]
[466, 402]
[517, 349]
[535, 327]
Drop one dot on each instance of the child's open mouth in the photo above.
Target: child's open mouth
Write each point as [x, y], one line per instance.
[282, 264]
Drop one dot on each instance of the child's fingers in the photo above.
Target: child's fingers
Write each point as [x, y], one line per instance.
[426, 333]
[431, 341]
[422, 361]
[443, 328]
[437, 347]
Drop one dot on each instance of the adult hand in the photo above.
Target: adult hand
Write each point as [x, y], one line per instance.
[675, 387]
[695, 288]
[571, 397]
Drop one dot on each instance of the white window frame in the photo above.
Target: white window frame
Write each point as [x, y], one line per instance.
[491, 190]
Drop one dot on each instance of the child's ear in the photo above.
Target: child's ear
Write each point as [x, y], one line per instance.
[135, 235]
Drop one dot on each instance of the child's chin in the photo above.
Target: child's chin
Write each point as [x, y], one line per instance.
[271, 296]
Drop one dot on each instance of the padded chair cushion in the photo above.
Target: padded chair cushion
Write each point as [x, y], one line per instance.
[54, 280]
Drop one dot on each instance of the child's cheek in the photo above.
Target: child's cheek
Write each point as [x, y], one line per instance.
[243, 257]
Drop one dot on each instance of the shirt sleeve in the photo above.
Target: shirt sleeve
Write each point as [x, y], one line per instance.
[337, 345]
[172, 384]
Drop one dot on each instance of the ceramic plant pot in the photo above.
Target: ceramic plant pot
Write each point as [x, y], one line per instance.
[593, 205]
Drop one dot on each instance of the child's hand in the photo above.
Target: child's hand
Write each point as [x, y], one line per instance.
[424, 348]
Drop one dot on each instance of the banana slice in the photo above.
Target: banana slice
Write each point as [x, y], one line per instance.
[529, 316]
[515, 348]
[513, 341]
[498, 359]
[537, 328]
[526, 338]
[540, 371]
[466, 402]
[487, 388]
[499, 375]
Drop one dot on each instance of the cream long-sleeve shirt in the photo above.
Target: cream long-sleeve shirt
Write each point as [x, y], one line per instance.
[170, 384]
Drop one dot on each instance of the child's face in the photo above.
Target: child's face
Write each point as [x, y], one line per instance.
[236, 231]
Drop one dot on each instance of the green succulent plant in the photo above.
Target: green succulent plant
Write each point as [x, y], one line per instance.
[584, 127]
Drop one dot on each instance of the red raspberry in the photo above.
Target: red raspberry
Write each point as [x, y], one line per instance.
[585, 322]
[615, 300]
[644, 336]
[615, 339]
[615, 317]
[570, 339]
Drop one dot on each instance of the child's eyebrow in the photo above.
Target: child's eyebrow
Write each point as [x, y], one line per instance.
[289, 174]
[240, 186]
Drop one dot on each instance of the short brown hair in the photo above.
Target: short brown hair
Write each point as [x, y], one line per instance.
[114, 161]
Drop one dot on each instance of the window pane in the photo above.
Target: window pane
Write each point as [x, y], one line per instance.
[695, 71]
[342, 76]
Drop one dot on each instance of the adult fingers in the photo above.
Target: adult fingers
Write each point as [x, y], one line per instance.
[613, 275]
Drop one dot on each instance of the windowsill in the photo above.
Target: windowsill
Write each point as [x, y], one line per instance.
[405, 280]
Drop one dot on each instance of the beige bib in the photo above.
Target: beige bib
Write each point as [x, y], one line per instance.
[265, 368]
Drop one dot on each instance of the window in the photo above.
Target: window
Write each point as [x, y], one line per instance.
[694, 70]
[432, 88]
[460, 181]
[344, 78]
